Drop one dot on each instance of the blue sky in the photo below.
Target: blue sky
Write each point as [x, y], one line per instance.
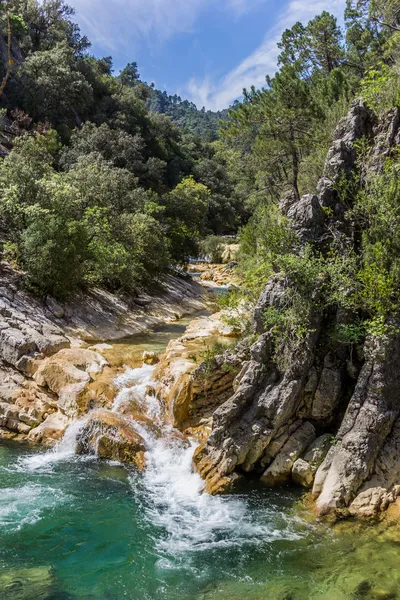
[203, 50]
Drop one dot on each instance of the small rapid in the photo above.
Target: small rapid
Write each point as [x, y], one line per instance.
[97, 528]
[173, 494]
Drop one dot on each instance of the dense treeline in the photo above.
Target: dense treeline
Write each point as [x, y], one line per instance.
[97, 188]
[108, 181]
[283, 132]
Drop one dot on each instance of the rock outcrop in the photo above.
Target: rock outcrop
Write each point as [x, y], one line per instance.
[109, 435]
[329, 418]
[46, 379]
[192, 382]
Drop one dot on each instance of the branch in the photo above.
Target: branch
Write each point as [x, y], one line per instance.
[384, 24]
[10, 61]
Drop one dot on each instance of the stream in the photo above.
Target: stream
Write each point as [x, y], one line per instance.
[75, 527]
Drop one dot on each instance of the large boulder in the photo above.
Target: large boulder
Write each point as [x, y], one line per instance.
[51, 430]
[67, 374]
[111, 436]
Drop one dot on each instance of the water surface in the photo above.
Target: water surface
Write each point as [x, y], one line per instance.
[74, 528]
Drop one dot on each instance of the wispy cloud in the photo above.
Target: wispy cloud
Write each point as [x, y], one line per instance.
[252, 70]
[124, 22]
[116, 23]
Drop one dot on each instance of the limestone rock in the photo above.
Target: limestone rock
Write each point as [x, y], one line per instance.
[67, 373]
[51, 430]
[304, 469]
[189, 386]
[111, 436]
[150, 358]
[369, 419]
[254, 429]
[373, 501]
[14, 344]
[279, 471]
[327, 394]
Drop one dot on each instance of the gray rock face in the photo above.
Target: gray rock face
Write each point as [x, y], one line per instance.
[304, 469]
[274, 414]
[280, 469]
[33, 332]
[369, 420]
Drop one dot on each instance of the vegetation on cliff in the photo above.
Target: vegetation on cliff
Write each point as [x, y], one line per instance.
[283, 133]
[96, 187]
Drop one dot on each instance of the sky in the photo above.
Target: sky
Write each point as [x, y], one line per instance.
[204, 50]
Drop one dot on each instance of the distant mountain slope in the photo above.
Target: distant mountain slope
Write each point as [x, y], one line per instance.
[186, 114]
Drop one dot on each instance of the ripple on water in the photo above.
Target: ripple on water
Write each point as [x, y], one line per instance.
[24, 505]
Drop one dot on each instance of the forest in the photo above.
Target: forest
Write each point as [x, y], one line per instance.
[107, 181]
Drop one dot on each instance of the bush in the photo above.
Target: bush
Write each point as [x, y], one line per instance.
[212, 248]
[53, 252]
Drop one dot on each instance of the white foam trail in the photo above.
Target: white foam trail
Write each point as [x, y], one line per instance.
[174, 494]
[63, 450]
[24, 505]
[132, 384]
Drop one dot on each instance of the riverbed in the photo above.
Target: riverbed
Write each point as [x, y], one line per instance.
[75, 527]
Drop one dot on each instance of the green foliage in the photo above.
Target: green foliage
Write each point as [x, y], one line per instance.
[380, 88]
[349, 333]
[212, 247]
[53, 87]
[185, 210]
[277, 122]
[52, 250]
[314, 47]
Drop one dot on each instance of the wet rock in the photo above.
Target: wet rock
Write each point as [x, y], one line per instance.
[150, 358]
[111, 436]
[35, 582]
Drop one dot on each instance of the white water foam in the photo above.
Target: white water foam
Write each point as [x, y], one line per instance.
[62, 451]
[24, 505]
[174, 495]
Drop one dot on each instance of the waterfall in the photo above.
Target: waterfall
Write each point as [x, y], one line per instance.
[171, 492]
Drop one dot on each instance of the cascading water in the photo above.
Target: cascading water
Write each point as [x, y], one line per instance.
[108, 531]
[173, 493]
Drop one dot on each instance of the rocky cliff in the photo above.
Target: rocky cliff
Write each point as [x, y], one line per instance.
[330, 419]
[46, 372]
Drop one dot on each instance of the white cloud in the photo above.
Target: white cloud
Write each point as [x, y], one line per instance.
[252, 70]
[116, 23]
[124, 22]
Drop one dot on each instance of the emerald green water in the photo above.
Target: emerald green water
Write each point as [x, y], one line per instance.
[74, 528]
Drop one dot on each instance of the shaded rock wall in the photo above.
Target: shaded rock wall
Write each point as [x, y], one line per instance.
[270, 424]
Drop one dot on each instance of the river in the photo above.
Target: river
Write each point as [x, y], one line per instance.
[75, 527]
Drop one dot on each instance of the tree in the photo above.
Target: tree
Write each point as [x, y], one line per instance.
[186, 210]
[318, 46]
[326, 42]
[49, 23]
[53, 88]
[362, 39]
[129, 76]
[386, 13]
[278, 122]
